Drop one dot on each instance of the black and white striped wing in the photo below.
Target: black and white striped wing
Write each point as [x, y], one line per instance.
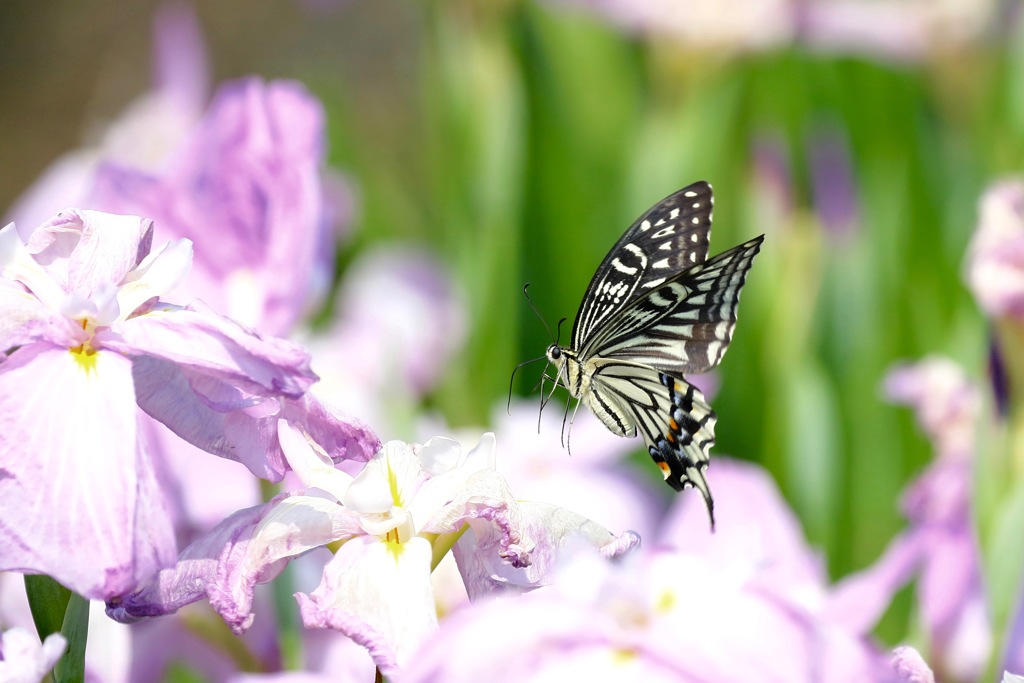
[683, 325]
[676, 422]
[670, 237]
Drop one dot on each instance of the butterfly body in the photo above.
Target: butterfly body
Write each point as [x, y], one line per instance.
[657, 308]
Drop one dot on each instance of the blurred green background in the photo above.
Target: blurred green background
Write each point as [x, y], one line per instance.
[519, 139]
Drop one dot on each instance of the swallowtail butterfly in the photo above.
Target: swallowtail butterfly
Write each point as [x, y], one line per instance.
[656, 309]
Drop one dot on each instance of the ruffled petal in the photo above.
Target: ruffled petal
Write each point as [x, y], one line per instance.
[513, 547]
[82, 250]
[190, 579]
[250, 547]
[206, 342]
[378, 594]
[71, 473]
[228, 422]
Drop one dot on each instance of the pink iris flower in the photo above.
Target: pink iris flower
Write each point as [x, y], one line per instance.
[392, 523]
[87, 340]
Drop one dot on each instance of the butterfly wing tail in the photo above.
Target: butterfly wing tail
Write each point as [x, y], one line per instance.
[695, 475]
[682, 450]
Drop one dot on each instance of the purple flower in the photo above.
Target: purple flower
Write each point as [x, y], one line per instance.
[759, 538]
[85, 337]
[245, 187]
[910, 667]
[995, 262]
[938, 505]
[833, 182]
[654, 616]
[394, 521]
[749, 602]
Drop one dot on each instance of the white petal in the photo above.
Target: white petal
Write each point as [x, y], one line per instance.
[17, 264]
[158, 274]
[379, 594]
[391, 479]
[370, 492]
[440, 455]
[311, 465]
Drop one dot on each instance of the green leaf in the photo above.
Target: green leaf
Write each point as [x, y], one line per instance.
[48, 601]
[55, 609]
[71, 667]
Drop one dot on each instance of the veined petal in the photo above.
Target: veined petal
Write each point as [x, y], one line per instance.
[212, 344]
[379, 595]
[159, 274]
[70, 470]
[252, 546]
[910, 667]
[226, 421]
[169, 395]
[189, 580]
[17, 264]
[83, 249]
[291, 527]
[342, 437]
[485, 552]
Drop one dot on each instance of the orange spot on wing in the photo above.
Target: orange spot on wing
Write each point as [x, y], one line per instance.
[664, 469]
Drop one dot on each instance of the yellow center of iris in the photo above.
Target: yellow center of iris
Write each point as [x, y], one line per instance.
[85, 356]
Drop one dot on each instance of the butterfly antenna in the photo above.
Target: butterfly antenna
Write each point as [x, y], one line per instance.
[558, 329]
[536, 312]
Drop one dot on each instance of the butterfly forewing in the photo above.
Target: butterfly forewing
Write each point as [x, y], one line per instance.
[671, 236]
[684, 325]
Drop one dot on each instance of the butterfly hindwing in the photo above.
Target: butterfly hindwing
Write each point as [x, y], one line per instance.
[673, 235]
[672, 415]
[684, 325]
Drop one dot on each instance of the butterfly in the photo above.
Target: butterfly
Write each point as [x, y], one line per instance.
[657, 308]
